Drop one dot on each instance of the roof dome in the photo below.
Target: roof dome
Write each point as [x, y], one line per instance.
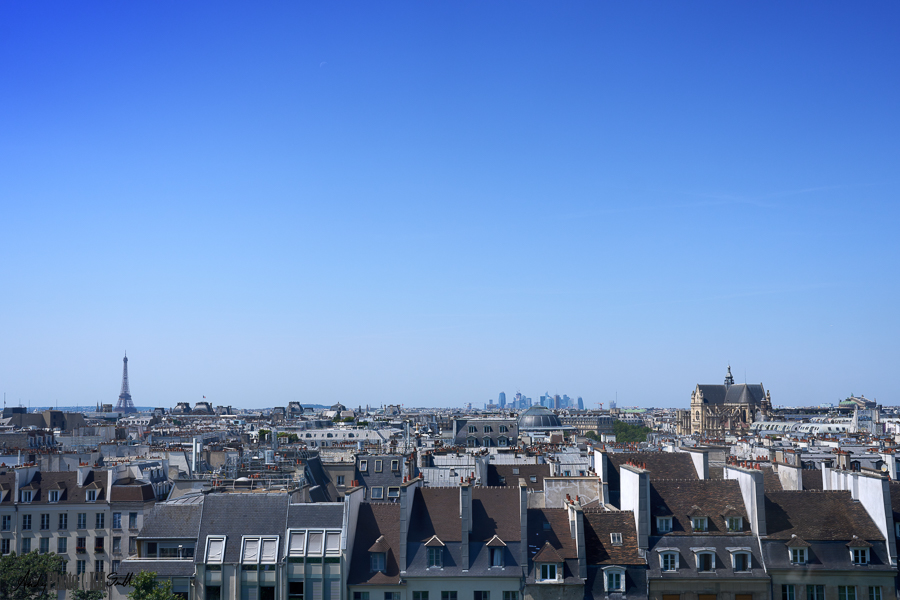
[539, 417]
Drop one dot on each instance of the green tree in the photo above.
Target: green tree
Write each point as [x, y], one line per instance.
[630, 433]
[28, 576]
[89, 595]
[146, 587]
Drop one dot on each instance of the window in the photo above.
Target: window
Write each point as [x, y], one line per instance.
[504, 429]
[698, 523]
[798, 556]
[496, 557]
[378, 466]
[98, 544]
[787, 592]
[61, 545]
[363, 465]
[26, 545]
[63, 521]
[420, 595]
[26, 522]
[376, 561]
[395, 465]
[663, 524]
[63, 566]
[117, 520]
[54, 495]
[860, 556]
[98, 566]
[515, 470]
[548, 572]
[80, 567]
[82, 520]
[44, 545]
[615, 539]
[393, 492]
[735, 523]
[533, 478]
[4, 546]
[91, 496]
[706, 561]
[488, 429]
[297, 543]
[45, 521]
[132, 520]
[614, 580]
[115, 566]
[100, 521]
[132, 545]
[846, 592]
[815, 592]
[26, 495]
[340, 480]
[434, 557]
[117, 545]
[81, 544]
[668, 561]
[315, 543]
[741, 561]
[472, 429]
[377, 493]
[874, 593]
[392, 596]
[333, 543]
[360, 595]
[448, 595]
[215, 549]
[295, 591]
[485, 595]
[5, 524]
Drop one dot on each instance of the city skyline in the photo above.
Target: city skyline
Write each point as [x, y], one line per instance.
[409, 204]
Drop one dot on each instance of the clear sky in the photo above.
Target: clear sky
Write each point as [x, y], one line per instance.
[432, 202]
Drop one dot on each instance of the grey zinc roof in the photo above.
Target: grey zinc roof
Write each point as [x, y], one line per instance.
[172, 521]
[237, 515]
[329, 514]
[162, 568]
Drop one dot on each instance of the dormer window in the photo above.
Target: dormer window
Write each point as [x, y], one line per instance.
[706, 561]
[496, 557]
[663, 524]
[363, 465]
[26, 495]
[859, 556]
[91, 496]
[472, 429]
[615, 539]
[548, 572]
[699, 524]
[435, 557]
[668, 561]
[735, 523]
[740, 559]
[215, 549]
[54, 496]
[614, 580]
[376, 561]
[378, 466]
[395, 465]
[798, 556]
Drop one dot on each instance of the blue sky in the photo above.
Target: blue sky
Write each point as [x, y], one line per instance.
[429, 203]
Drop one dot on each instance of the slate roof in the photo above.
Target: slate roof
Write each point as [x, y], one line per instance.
[376, 524]
[325, 515]
[172, 521]
[162, 568]
[738, 393]
[662, 465]
[831, 515]
[558, 535]
[895, 500]
[812, 479]
[685, 545]
[771, 480]
[712, 499]
[503, 475]
[236, 515]
[598, 525]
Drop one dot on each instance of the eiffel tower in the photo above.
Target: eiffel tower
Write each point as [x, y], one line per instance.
[125, 404]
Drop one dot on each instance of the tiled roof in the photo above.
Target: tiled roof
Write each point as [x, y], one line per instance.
[237, 515]
[771, 480]
[172, 521]
[495, 511]
[133, 492]
[436, 512]
[558, 535]
[662, 465]
[547, 553]
[598, 525]
[812, 479]
[831, 515]
[710, 498]
[377, 527]
[505, 475]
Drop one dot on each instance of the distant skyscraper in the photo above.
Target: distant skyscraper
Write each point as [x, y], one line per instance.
[580, 403]
[502, 400]
[556, 401]
[125, 404]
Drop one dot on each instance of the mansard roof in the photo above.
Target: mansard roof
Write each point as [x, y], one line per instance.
[377, 530]
[710, 498]
[817, 516]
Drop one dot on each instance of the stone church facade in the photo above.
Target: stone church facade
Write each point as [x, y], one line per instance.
[730, 408]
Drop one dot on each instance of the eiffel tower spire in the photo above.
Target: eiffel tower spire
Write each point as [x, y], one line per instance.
[125, 404]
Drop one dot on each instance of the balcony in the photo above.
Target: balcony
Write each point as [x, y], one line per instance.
[80, 549]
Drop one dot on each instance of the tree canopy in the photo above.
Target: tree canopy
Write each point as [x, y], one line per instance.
[28, 576]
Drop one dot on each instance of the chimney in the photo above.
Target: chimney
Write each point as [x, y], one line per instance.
[83, 471]
[407, 496]
[752, 489]
[465, 517]
[523, 524]
[576, 529]
[635, 496]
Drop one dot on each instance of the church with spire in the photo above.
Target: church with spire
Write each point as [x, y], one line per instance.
[719, 410]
